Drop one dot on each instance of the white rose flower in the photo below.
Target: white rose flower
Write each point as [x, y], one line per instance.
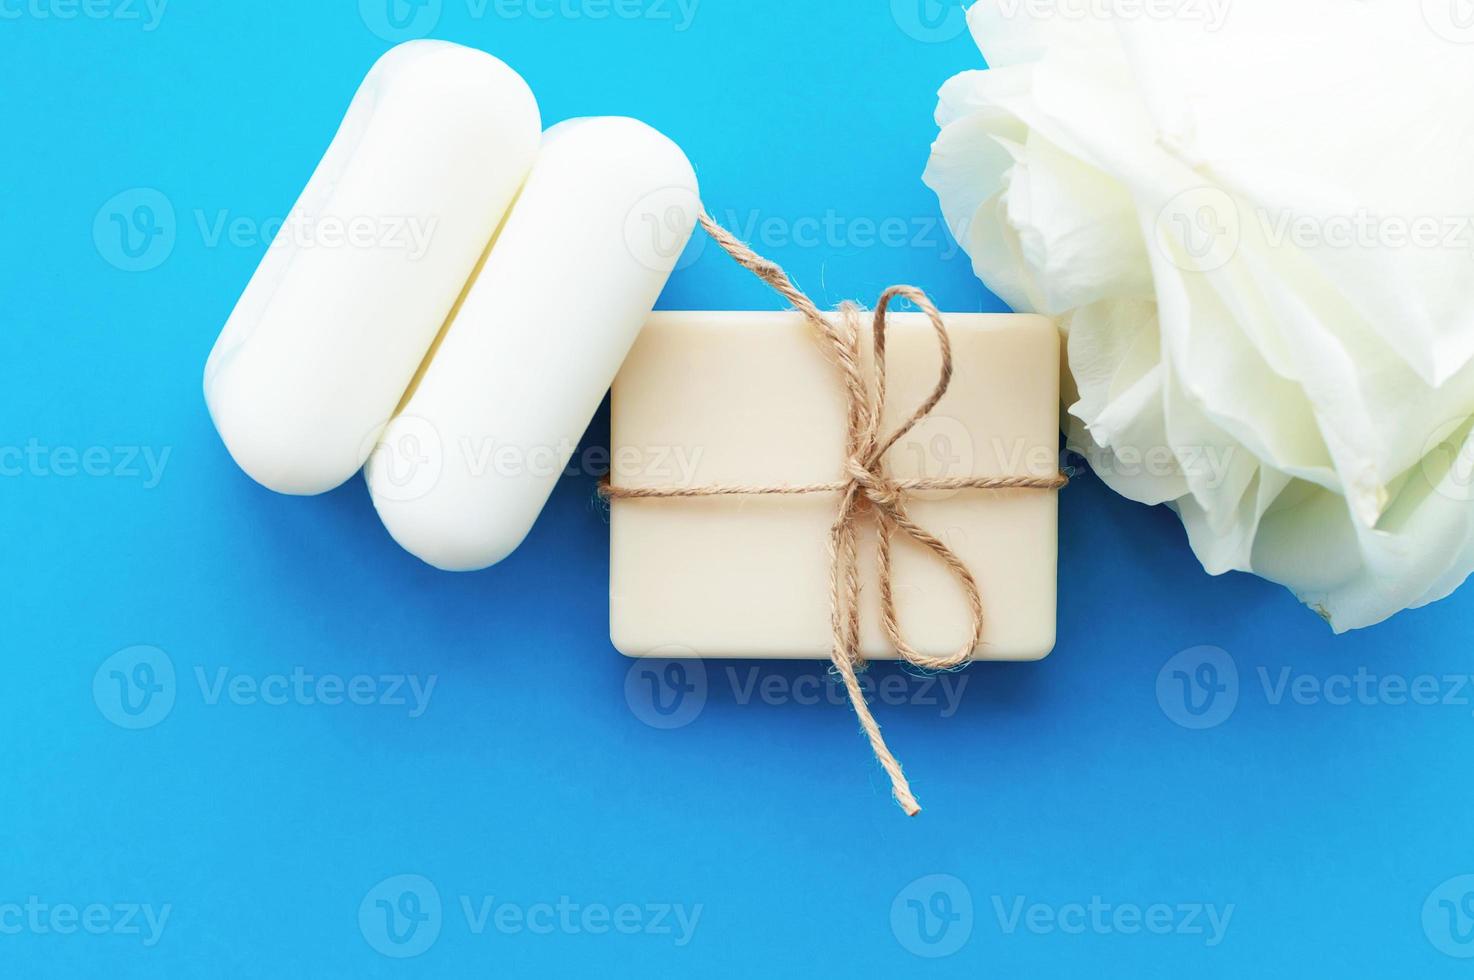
[1254, 221]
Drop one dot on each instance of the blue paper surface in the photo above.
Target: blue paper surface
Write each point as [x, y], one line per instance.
[247, 736]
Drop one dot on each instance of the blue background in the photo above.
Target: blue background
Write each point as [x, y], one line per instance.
[532, 776]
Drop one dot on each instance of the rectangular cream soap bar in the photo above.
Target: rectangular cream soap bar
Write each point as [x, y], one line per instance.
[750, 398]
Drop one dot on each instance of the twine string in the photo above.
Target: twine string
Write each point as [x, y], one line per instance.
[867, 489]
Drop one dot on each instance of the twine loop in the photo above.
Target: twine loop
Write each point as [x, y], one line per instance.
[867, 490]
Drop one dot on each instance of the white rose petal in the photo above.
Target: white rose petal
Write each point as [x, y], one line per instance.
[1259, 241]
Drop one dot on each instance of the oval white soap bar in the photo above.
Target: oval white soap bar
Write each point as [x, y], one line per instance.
[351, 294]
[462, 472]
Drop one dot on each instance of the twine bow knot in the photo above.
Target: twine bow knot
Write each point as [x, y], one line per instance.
[868, 489]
